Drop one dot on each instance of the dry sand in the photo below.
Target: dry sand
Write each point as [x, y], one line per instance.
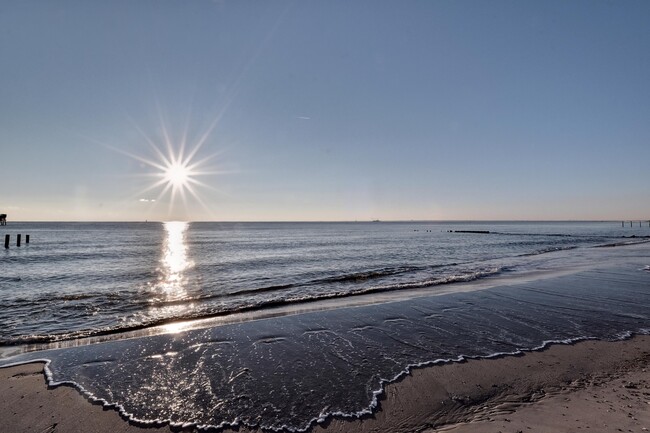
[589, 386]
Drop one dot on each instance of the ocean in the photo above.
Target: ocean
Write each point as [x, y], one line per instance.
[282, 325]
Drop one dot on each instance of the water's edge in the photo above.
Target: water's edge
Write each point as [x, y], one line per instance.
[322, 418]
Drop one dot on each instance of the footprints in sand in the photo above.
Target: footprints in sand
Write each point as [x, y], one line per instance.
[22, 375]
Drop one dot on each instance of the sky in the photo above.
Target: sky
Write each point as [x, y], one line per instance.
[324, 110]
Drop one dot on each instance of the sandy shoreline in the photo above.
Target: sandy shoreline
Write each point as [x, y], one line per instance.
[595, 385]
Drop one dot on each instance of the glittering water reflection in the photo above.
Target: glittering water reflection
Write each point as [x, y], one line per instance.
[172, 283]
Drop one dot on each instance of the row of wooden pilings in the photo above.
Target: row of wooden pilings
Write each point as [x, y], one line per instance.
[18, 239]
[623, 223]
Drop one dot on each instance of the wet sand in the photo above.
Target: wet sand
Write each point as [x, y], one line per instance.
[592, 385]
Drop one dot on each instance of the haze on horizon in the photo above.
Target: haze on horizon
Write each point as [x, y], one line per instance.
[324, 110]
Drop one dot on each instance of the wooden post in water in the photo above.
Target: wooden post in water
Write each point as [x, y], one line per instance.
[26, 239]
[622, 223]
[18, 239]
[7, 241]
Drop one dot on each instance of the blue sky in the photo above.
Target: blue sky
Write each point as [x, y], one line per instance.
[326, 110]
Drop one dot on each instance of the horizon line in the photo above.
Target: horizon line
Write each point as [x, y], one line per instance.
[626, 220]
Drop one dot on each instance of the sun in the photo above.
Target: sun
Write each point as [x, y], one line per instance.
[177, 174]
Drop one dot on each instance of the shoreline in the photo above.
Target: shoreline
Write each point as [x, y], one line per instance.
[475, 395]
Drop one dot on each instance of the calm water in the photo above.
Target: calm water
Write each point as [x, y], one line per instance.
[78, 279]
[399, 295]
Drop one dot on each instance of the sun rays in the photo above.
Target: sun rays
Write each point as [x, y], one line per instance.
[176, 175]
[177, 172]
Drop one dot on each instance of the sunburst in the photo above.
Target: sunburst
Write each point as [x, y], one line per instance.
[177, 175]
[175, 172]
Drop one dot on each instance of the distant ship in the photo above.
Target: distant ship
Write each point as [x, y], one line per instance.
[376, 221]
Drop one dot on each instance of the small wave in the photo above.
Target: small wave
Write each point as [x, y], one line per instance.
[52, 297]
[353, 277]
[70, 257]
[635, 240]
[356, 277]
[10, 279]
[546, 235]
[221, 311]
[549, 250]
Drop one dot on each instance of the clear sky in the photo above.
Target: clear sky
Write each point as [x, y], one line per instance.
[324, 110]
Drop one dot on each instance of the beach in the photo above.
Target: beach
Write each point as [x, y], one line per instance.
[478, 344]
[591, 385]
[324, 216]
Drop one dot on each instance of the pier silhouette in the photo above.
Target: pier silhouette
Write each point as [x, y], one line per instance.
[632, 222]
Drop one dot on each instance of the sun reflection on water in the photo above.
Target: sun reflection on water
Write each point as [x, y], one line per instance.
[172, 283]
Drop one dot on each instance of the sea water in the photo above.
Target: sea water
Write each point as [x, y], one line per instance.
[290, 369]
[80, 279]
